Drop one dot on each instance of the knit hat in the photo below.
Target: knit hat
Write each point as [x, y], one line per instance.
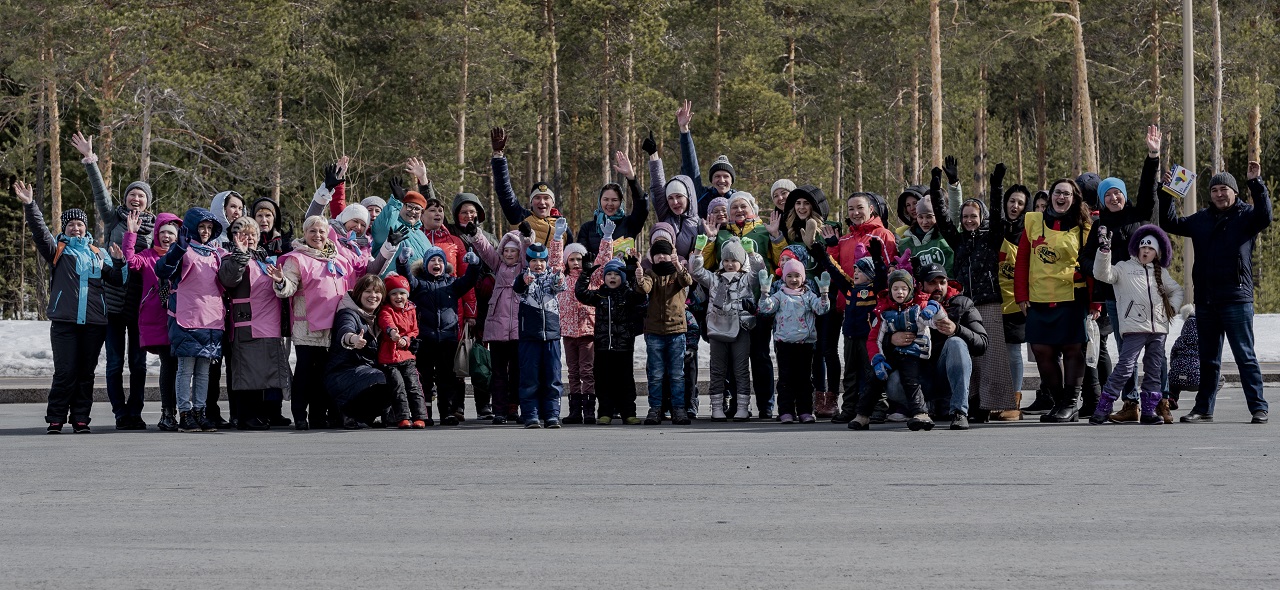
[722, 163]
[792, 265]
[1224, 178]
[749, 198]
[240, 224]
[1088, 183]
[414, 198]
[395, 283]
[733, 250]
[615, 265]
[901, 276]
[931, 271]
[575, 248]
[432, 252]
[782, 183]
[354, 211]
[536, 251]
[718, 202]
[677, 186]
[542, 188]
[1106, 185]
[1151, 235]
[662, 231]
[924, 206]
[378, 202]
[74, 215]
[140, 185]
[660, 247]
[867, 266]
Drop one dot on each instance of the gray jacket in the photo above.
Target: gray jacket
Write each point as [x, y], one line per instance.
[112, 215]
[731, 303]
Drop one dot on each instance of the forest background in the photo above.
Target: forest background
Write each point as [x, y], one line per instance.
[850, 95]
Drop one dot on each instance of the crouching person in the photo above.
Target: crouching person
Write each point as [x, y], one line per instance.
[359, 386]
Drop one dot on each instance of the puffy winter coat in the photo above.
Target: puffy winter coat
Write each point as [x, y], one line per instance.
[890, 316]
[969, 328]
[196, 313]
[543, 227]
[665, 314]
[539, 307]
[577, 319]
[857, 242]
[1139, 298]
[732, 296]
[436, 299]
[257, 354]
[859, 299]
[153, 318]
[389, 220]
[795, 314]
[120, 298]
[78, 272]
[314, 281]
[405, 321]
[1224, 241]
[352, 371]
[502, 322]
[613, 311]
[977, 253]
[752, 229]
[688, 225]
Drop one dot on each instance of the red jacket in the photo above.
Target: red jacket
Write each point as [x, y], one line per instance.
[454, 250]
[884, 302]
[843, 252]
[405, 320]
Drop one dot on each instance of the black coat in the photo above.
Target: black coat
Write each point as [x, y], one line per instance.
[1224, 241]
[437, 299]
[1120, 226]
[615, 330]
[977, 252]
[629, 227]
[352, 372]
[969, 328]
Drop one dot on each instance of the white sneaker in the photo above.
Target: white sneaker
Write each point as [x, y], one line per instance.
[895, 417]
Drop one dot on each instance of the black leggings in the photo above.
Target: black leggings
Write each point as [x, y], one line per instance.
[1068, 375]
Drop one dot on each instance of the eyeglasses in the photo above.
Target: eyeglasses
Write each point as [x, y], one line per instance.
[1063, 194]
[413, 208]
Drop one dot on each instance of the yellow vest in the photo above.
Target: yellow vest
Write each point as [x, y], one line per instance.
[1007, 260]
[1055, 258]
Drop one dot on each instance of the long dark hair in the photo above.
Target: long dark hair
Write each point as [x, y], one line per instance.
[1077, 208]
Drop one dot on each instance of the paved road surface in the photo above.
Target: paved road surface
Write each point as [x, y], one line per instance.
[709, 506]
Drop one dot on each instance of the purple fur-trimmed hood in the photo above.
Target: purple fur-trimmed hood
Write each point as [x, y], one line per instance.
[1166, 247]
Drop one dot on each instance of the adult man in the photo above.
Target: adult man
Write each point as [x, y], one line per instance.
[958, 338]
[722, 173]
[1223, 235]
[541, 214]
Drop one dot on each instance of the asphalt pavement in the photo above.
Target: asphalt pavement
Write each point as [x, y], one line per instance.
[725, 505]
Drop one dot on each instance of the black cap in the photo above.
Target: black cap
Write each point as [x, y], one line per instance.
[928, 272]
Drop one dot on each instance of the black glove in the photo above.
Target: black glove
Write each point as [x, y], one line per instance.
[397, 188]
[331, 180]
[498, 139]
[413, 345]
[935, 183]
[399, 235]
[876, 249]
[949, 166]
[649, 146]
[525, 229]
[588, 266]
[471, 229]
[997, 177]
[631, 261]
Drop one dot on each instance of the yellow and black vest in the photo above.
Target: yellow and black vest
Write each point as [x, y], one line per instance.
[1054, 274]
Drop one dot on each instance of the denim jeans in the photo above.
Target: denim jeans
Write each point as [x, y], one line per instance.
[952, 365]
[1015, 364]
[1235, 321]
[193, 382]
[1130, 386]
[118, 344]
[666, 361]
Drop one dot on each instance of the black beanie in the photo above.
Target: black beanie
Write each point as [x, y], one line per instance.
[78, 215]
[660, 247]
[722, 163]
[1226, 179]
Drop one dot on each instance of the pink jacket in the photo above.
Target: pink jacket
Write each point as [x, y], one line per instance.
[153, 320]
[503, 323]
[578, 320]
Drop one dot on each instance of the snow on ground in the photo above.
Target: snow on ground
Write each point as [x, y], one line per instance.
[25, 352]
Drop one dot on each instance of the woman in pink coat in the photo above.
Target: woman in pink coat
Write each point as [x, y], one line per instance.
[153, 320]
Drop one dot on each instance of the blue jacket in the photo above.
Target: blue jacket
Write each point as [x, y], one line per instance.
[77, 275]
[689, 167]
[860, 300]
[1224, 241]
[539, 308]
[389, 221]
[437, 299]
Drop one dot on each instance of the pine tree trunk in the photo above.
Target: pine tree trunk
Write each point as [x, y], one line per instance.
[463, 91]
[604, 108]
[914, 176]
[980, 137]
[1155, 63]
[1017, 140]
[55, 145]
[1042, 139]
[1255, 121]
[935, 77]
[278, 166]
[857, 156]
[717, 77]
[1216, 162]
[144, 162]
[1084, 104]
[837, 162]
[556, 163]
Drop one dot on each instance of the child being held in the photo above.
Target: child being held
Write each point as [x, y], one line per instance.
[903, 309]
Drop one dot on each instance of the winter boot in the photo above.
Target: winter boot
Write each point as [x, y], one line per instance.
[654, 418]
[1090, 393]
[1163, 410]
[203, 421]
[717, 408]
[1013, 415]
[1103, 408]
[680, 417]
[1128, 413]
[588, 407]
[575, 409]
[1150, 401]
[1064, 406]
[168, 420]
[744, 401]
[187, 422]
[1043, 403]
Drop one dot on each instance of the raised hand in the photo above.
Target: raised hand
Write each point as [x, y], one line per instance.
[935, 181]
[344, 164]
[84, 145]
[23, 191]
[498, 139]
[406, 254]
[397, 188]
[471, 258]
[416, 167]
[1254, 171]
[775, 222]
[116, 252]
[684, 115]
[713, 227]
[876, 250]
[824, 282]
[276, 273]
[1104, 239]
[949, 166]
[525, 229]
[997, 177]
[184, 237]
[1154, 138]
[749, 246]
[700, 242]
[827, 231]
[332, 177]
[606, 233]
[398, 235]
[133, 222]
[650, 146]
[562, 226]
[528, 277]
[623, 165]
[765, 280]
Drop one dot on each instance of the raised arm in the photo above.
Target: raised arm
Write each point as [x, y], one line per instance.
[658, 188]
[1147, 185]
[511, 208]
[688, 153]
[103, 204]
[45, 244]
[1261, 199]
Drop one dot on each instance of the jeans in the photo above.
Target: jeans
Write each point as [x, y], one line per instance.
[1130, 386]
[1235, 321]
[75, 358]
[118, 343]
[1126, 367]
[953, 365]
[666, 361]
[193, 382]
[1015, 365]
[540, 386]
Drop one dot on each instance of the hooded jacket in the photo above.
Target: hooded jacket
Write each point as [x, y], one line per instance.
[688, 225]
[217, 207]
[795, 314]
[665, 314]
[731, 297]
[405, 321]
[436, 298]
[388, 221]
[78, 274]
[797, 233]
[1139, 297]
[849, 247]
[114, 217]
[977, 253]
[257, 354]
[197, 316]
[153, 319]
[859, 300]
[502, 322]
[278, 241]
[1121, 226]
[613, 310]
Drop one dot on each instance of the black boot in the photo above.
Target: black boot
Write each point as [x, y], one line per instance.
[168, 420]
[187, 422]
[1064, 406]
[1090, 391]
[1043, 403]
[202, 420]
[575, 409]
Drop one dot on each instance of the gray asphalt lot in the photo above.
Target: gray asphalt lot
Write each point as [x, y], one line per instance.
[755, 505]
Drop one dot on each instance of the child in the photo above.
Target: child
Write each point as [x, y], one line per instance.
[153, 319]
[795, 331]
[501, 324]
[924, 237]
[614, 338]
[1184, 364]
[730, 318]
[577, 327]
[196, 317]
[903, 309]
[1146, 300]
[398, 330]
[664, 330]
[539, 349]
[436, 294]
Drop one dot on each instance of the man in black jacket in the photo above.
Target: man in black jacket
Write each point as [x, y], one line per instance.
[1224, 235]
[957, 339]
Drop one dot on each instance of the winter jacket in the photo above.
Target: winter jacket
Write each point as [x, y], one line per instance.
[732, 296]
[314, 281]
[955, 194]
[122, 298]
[543, 227]
[665, 315]
[153, 318]
[859, 299]
[405, 321]
[539, 306]
[795, 314]
[388, 221]
[348, 248]
[969, 328]
[689, 167]
[454, 250]
[197, 316]
[257, 354]
[1120, 225]
[1224, 241]
[692, 334]
[351, 371]
[467, 235]
[217, 207]
[502, 322]
[752, 229]
[277, 241]
[629, 226]
[849, 247]
[891, 316]
[688, 225]
[78, 273]
[613, 318]
[1139, 300]
[927, 247]
[577, 320]
[977, 253]
[436, 299]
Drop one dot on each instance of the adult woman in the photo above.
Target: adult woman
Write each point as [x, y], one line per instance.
[122, 300]
[77, 309]
[672, 204]
[312, 275]
[609, 208]
[153, 319]
[352, 376]
[977, 245]
[256, 353]
[1054, 294]
[1008, 220]
[468, 215]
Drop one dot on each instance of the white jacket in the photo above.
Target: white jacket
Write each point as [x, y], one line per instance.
[1138, 298]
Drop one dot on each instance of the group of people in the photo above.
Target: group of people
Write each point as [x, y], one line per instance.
[389, 304]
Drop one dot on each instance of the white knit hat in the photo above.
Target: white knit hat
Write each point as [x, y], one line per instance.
[354, 211]
[748, 197]
[782, 183]
[574, 247]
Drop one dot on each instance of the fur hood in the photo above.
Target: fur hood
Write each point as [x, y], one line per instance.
[1166, 247]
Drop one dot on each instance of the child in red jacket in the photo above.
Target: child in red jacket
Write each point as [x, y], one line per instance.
[398, 322]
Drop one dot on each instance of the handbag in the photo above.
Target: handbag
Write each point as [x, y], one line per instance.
[1092, 351]
[462, 356]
